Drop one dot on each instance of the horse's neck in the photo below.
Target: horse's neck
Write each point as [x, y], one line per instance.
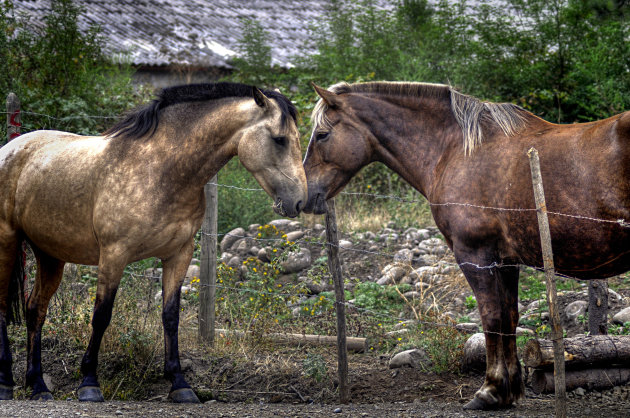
[196, 145]
[415, 140]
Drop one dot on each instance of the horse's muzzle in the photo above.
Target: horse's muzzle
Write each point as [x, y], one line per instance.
[316, 204]
[287, 210]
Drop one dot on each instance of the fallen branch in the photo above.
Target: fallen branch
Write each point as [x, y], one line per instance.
[580, 350]
[354, 344]
[590, 379]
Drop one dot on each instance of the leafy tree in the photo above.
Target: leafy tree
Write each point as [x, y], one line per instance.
[63, 78]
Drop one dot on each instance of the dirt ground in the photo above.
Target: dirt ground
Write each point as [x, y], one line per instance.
[246, 389]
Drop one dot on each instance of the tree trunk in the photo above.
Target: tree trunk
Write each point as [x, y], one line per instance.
[580, 350]
[597, 307]
[590, 379]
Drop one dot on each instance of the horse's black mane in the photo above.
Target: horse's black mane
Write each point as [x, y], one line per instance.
[145, 119]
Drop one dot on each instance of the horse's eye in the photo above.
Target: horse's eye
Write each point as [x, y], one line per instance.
[280, 140]
[322, 136]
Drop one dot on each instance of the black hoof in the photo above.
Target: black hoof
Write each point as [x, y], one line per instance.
[90, 394]
[42, 396]
[476, 404]
[183, 395]
[6, 393]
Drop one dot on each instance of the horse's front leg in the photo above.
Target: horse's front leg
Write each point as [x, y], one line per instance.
[49, 274]
[496, 291]
[173, 276]
[110, 269]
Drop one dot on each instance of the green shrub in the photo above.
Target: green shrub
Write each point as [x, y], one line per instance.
[62, 76]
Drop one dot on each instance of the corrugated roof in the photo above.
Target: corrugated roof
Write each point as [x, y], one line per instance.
[201, 33]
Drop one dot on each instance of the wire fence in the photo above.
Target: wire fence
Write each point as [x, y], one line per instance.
[622, 223]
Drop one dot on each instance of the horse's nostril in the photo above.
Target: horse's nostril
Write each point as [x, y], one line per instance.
[299, 206]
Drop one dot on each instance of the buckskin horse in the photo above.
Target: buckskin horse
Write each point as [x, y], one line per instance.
[132, 193]
[468, 158]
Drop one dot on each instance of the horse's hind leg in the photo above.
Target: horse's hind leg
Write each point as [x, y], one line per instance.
[49, 274]
[8, 251]
[173, 277]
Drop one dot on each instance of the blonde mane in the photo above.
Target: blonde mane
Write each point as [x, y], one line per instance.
[469, 112]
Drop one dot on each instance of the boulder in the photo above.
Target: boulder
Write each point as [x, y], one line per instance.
[415, 358]
[345, 244]
[193, 272]
[575, 309]
[235, 262]
[621, 317]
[404, 256]
[468, 327]
[231, 237]
[263, 255]
[280, 223]
[475, 353]
[295, 235]
[297, 261]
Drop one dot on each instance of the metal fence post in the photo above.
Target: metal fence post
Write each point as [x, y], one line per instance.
[208, 268]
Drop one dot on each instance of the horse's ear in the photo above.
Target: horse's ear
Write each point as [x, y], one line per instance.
[260, 99]
[327, 96]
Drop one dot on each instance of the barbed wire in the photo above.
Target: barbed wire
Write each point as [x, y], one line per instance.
[621, 222]
[347, 304]
[494, 265]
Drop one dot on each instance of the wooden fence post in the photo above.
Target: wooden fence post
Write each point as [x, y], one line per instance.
[552, 296]
[597, 307]
[334, 266]
[13, 117]
[208, 268]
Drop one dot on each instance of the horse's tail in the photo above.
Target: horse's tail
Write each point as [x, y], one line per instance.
[16, 308]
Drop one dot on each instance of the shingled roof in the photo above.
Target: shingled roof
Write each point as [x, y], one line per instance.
[201, 33]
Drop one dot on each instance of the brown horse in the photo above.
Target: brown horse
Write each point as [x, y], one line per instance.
[468, 157]
[135, 192]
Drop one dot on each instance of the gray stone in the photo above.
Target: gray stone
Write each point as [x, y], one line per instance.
[294, 225]
[524, 332]
[614, 297]
[263, 255]
[404, 256]
[235, 262]
[434, 246]
[231, 237]
[345, 244]
[468, 327]
[49, 382]
[226, 256]
[243, 245]
[192, 272]
[580, 392]
[574, 309]
[295, 235]
[415, 358]
[621, 317]
[280, 223]
[297, 261]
